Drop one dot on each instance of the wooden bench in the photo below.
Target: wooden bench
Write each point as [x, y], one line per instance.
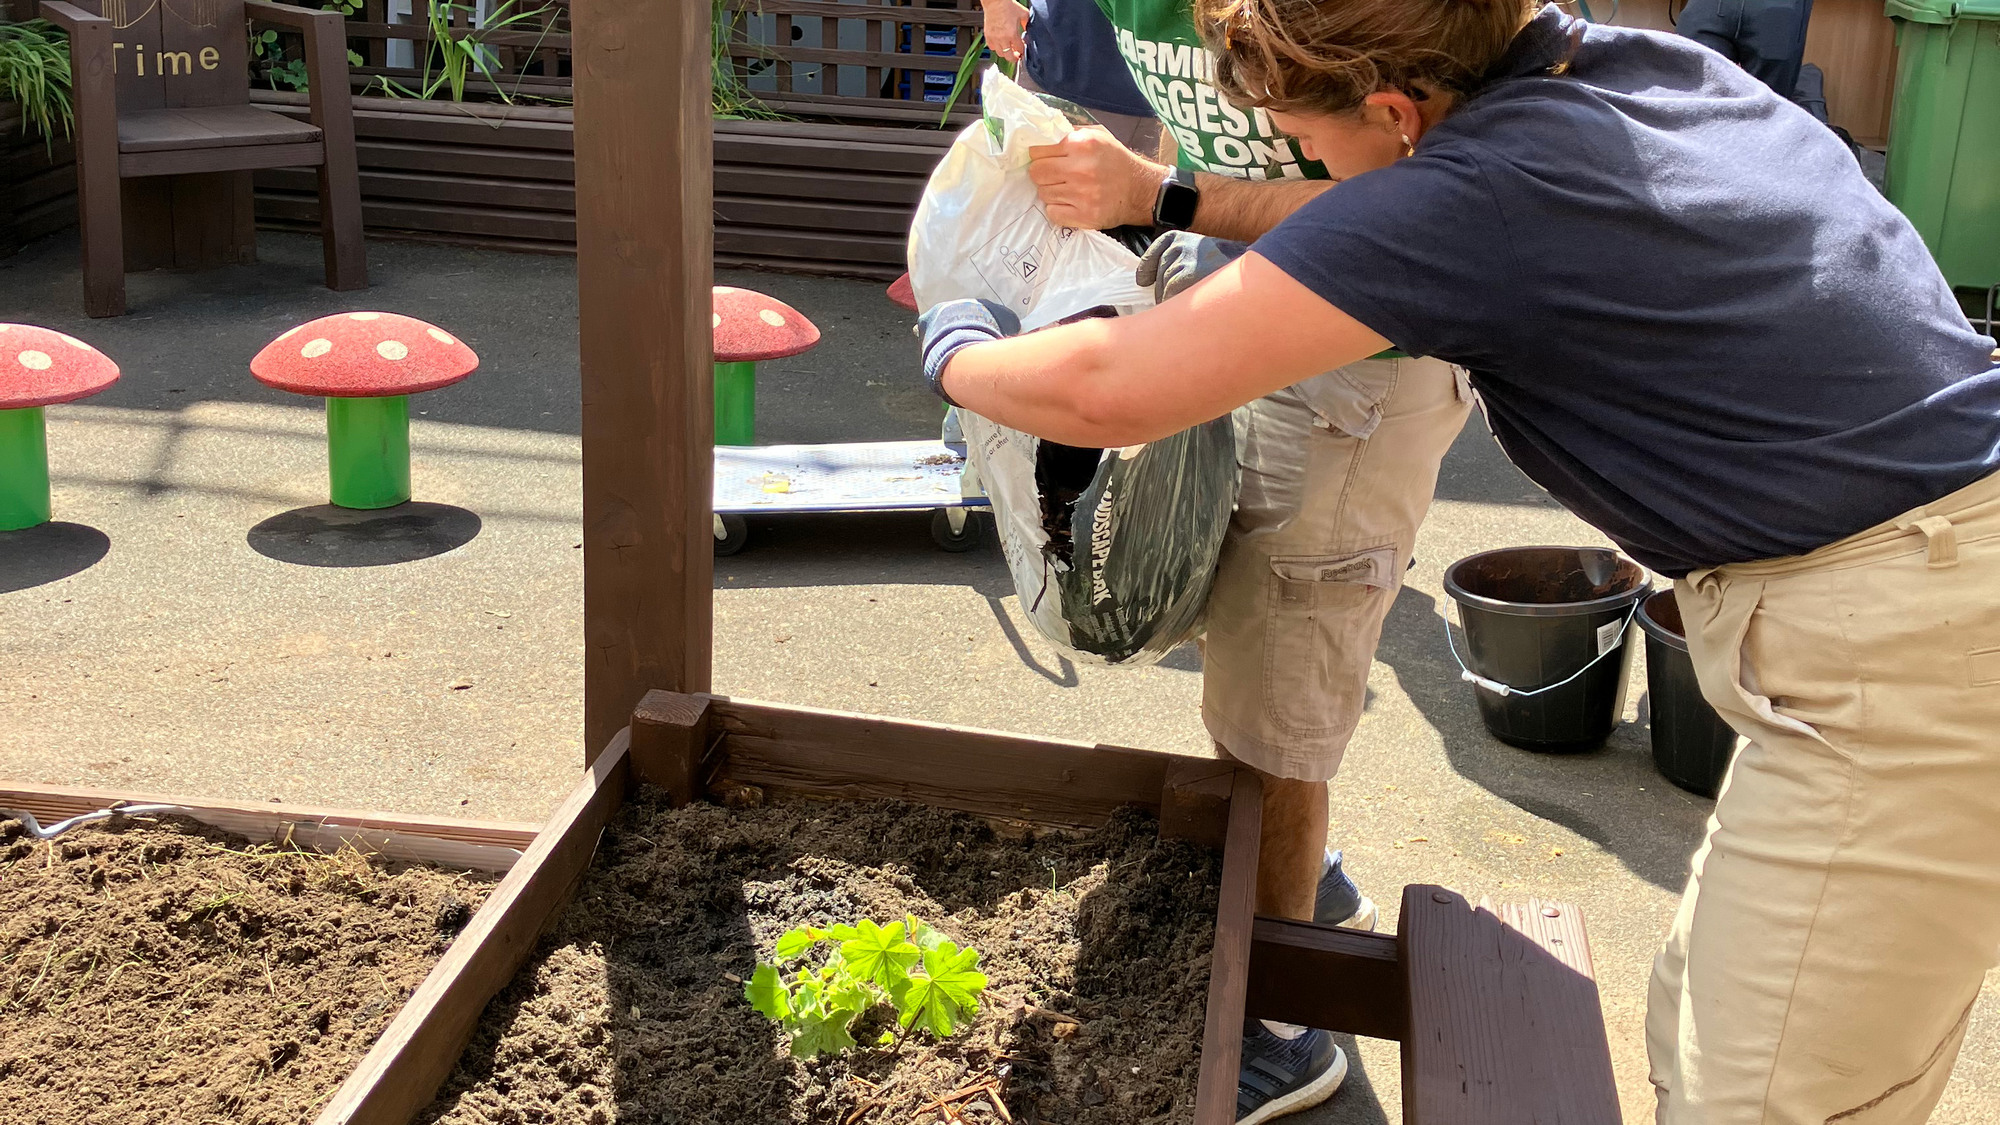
[1496, 1007]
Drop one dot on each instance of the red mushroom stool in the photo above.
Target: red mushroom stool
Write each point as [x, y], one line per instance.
[38, 367]
[749, 328]
[902, 293]
[366, 365]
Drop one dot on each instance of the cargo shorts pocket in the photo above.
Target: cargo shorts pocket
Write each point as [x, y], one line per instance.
[1350, 400]
[1325, 613]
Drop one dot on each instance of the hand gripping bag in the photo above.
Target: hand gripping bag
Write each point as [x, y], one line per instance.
[1111, 550]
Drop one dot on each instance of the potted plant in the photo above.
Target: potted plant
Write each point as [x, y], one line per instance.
[37, 173]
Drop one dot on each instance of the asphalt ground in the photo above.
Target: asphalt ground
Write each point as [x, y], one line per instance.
[194, 623]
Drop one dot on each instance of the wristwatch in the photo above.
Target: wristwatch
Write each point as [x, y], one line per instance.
[1174, 206]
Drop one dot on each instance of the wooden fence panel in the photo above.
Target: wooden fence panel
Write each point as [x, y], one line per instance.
[796, 195]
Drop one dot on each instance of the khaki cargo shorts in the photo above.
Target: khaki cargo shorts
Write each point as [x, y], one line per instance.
[1338, 472]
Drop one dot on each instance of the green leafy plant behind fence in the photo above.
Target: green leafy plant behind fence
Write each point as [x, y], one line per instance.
[34, 73]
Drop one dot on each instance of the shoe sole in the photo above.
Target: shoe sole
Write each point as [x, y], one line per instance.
[1364, 918]
[1305, 1097]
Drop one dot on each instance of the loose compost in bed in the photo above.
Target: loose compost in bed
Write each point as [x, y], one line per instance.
[1096, 948]
[170, 973]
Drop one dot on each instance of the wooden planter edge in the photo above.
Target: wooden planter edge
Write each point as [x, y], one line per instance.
[476, 845]
[691, 744]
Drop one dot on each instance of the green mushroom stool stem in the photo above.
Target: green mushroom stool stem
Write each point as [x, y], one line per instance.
[24, 469]
[368, 451]
[736, 403]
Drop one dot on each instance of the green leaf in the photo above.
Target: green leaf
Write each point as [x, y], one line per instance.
[875, 954]
[819, 1035]
[922, 935]
[946, 994]
[766, 992]
[796, 942]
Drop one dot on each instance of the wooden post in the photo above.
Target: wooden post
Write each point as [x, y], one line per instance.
[645, 241]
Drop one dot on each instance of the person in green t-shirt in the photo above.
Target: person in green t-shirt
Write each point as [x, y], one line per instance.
[1302, 587]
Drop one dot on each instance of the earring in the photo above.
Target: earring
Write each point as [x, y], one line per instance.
[1408, 148]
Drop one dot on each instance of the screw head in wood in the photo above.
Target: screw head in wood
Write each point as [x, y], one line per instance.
[1551, 912]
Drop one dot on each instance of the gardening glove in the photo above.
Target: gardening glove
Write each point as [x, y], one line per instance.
[1180, 258]
[947, 327]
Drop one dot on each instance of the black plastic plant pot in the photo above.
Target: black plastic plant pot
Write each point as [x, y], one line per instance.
[1692, 746]
[1545, 630]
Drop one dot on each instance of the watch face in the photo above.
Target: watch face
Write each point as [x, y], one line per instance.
[1176, 205]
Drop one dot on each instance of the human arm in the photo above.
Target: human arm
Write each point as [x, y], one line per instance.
[1243, 333]
[1090, 181]
[1006, 25]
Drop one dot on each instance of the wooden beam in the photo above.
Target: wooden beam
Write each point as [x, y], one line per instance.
[1506, 1028]
[402, 1072]
[1327, 976]
[1009, 776]
[1194, 802]
[1229, 963]
[670, 738]
[644, 241]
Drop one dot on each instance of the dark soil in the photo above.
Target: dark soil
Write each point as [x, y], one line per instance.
[1096, 947]
[170, 973]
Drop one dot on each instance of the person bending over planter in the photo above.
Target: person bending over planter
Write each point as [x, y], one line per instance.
[1694, 323]
[1302, 587]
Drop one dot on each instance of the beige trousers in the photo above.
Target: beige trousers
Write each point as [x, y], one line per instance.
[1846, 902]
[1338, 472]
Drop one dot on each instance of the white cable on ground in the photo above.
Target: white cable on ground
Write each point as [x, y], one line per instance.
[35, 829]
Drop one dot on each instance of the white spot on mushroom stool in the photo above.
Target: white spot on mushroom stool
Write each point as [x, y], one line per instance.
[392, 350]
[39, 367]
[315, 348]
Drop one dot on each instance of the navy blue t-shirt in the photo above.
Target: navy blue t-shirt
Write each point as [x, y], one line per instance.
[1073, 53]
[1689, 316]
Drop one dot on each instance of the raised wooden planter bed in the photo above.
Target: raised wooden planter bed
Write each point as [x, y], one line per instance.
[794, 195]
[37, 183]
[162, 970]
[696, 746]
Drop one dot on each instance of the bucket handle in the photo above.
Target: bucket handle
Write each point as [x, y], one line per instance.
[1496, 687]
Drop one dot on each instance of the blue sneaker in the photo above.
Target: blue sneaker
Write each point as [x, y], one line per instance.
[1338, 902]
[1282, 1076]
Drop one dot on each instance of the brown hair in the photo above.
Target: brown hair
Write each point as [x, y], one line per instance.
[1325, 56]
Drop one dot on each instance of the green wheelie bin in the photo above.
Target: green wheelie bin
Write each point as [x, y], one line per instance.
[1944, 133]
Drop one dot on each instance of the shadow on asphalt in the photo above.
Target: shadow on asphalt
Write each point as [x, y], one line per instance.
[1610, 796]
[324, 535]
[36, 556]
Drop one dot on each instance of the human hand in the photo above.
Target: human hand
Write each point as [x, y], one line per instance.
[1090, 181]
[1178, 259]
[952, 325]
[1006, 23]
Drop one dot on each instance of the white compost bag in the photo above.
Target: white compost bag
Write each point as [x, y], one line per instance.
[1111, 550]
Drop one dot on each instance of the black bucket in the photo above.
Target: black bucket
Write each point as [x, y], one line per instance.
[1691, 743]
[1534, 618]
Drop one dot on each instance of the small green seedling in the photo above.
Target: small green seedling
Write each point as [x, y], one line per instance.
[868, 965]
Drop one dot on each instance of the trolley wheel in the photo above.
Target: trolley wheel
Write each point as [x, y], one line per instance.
[731, 533]
[954, 529]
